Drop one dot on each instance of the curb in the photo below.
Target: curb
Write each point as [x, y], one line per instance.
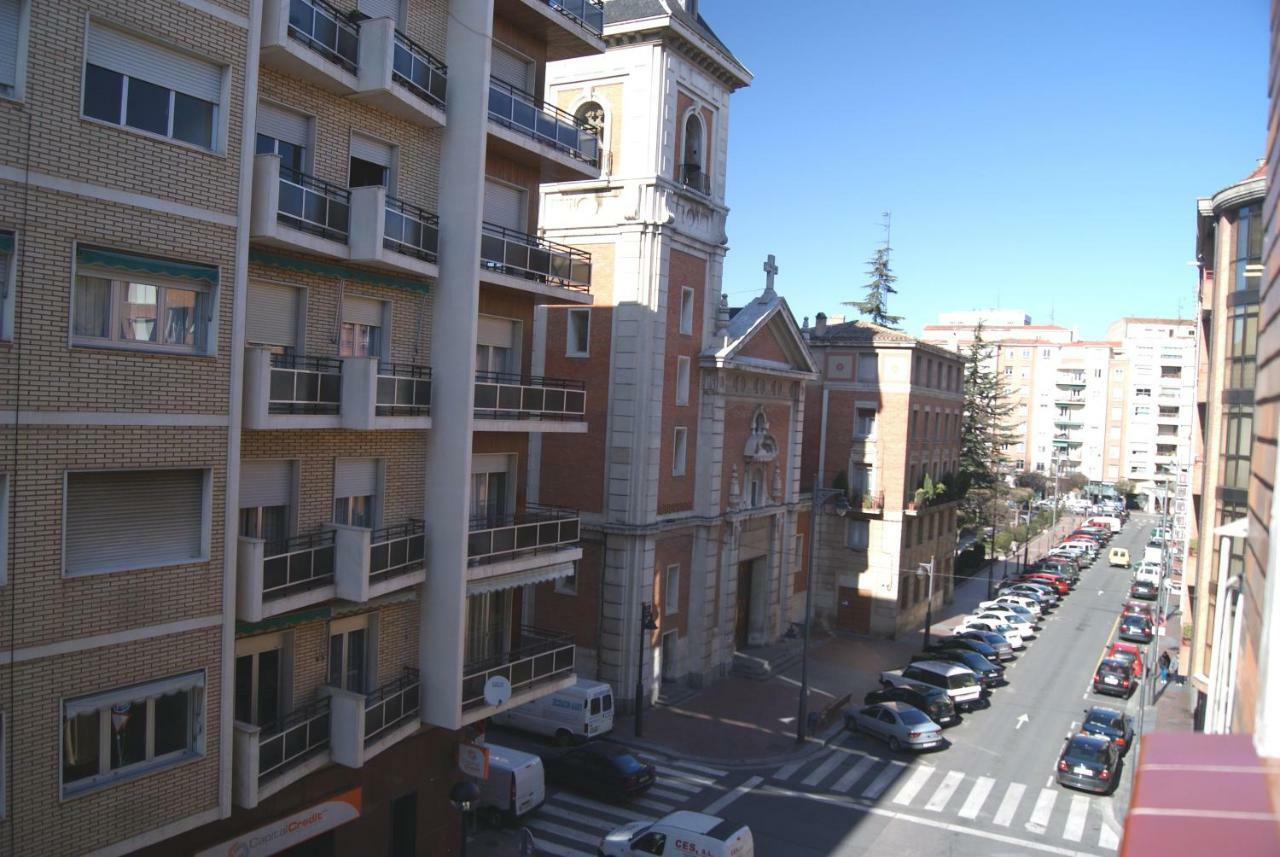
[812, 746]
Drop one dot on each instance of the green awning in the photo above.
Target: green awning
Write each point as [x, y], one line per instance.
[331, 269]
[6, 242]
[131, 263]
[284, 620]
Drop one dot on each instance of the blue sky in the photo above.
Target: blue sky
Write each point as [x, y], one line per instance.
[1041, 155]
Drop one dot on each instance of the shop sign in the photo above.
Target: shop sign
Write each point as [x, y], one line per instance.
[287, 832]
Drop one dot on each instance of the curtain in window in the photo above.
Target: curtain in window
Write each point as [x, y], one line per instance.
[92, 307]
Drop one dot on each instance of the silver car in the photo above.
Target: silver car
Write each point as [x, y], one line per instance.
[902, 726]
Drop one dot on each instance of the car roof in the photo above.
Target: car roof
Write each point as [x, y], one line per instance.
[945, 667]
[1121, 646]
[1101, 711]
[1114, 663]
[1094, 742]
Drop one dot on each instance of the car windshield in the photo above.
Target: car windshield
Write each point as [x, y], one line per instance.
[961, 680]
[975, 661]
[1113, 669]
[627, 764]
[1104, 720]
[912, 717]
[1086, 752]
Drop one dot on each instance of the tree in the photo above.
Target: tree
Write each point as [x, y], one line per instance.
[876, 304]
[1035, 481]
[1124, 488]
[984, 432]
[1074, 481]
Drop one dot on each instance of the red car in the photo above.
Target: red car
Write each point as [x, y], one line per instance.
[1059, 584]
[1127, 651]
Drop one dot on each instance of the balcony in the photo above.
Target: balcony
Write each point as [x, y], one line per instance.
[1064, 440]
[569, 28]
[297, 211]
[1061, 421]
[365, 724]
[540, 135]
[399, 76]
[1069, 401]
[1070, 380]
[540, 660]
[311, 40]
[390, 233]
[529, 263]
[868, 503]
[692, 177]
[275, 578]
[552, 404]
[541, 543]
[266, 759]
[371, 563]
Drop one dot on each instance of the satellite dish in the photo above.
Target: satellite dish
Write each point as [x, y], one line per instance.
[497, 690]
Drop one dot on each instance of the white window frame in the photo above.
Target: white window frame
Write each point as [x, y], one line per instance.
[858, 410]
[670, 592]
[255, 646]
[153, 764]
[568, 585]
[369, 624]
[797, 549]
[686, 311]
[872, 360]
[679, 450]
[684, 366]
[158, 282]
[19, 85]
[570, 349]
[854, 527]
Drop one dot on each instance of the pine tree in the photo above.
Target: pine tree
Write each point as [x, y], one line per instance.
[986, 428]
[880, 287]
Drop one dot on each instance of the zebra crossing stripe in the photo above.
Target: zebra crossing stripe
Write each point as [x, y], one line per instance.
[596, 806]
[854, 774]
[977, 797]
[788, 770]
[1009, 805]
[658, 806]
[1107, 838]
[544, 846]
[1040, 814]
[818, 774]
[670, 783]
[715, 772]
[684, 775]
[564, 832]
[663, 794]
[914, 783]
[945, 790]
[882, 782]
[1074, 830]
[724, 800]
[577, 817]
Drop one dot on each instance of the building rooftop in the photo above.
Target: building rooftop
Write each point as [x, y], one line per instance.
[860, 332]
[623, 11]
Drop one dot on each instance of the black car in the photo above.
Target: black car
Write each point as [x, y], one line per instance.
[1114, 676]
[1135, 628]
[1143, 589]
[963, 644]
[1089, 763]
[989, 674]
[1004, 651]
[600, 769]
[933, 701]
[1108, 723]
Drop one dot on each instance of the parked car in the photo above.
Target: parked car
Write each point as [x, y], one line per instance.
[964, 644]
[1138, 608]
[515, 787]
[1114, 676]
[583, 710]
[1144, 589]
[1118, 558]
[1004, 629]
[600, 769]
[990, 674]
[1129, 652]
[1089, 763]
[1060, 584]
[1111, 724]
[899, 725]
[959, 683]
[1047, 598]
[1007, 618]
[1136, 628]
[933, 701]
[1004, 651]
[1018, 611]
[679, 833]
[1031, 605]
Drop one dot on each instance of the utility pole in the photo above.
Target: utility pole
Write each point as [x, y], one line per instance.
[647, 623]
[928, 605]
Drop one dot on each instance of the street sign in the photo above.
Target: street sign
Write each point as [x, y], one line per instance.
[497, 690]
[474, 761]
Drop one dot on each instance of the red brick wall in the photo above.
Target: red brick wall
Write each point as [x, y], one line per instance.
[505, 303]
[579, 614]
[675, 493]
[765, 346]
[672, 549]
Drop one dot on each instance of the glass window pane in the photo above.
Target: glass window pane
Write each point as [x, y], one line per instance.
[80, 747]
[355, 661]
[102, 89]
[139, 309]
[173, 723]
[181, 317]
[128, 739]
[147, 107]
[268, 687]
[244, 689]
[265, 145]
[92, 307]
[193, 120]
[291, 156]
[335, 660]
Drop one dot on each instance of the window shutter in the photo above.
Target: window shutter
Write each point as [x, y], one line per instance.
[272, 315]
[381, 9]
[149, 61]
[355, 477]
[373, 151]
[504, 205]
[265, 483]
[362, 311]
[509, 67]
[9, 42]
[287, 125]
[133, 519]
[497, 332]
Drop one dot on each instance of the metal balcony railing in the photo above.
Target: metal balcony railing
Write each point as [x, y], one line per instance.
[396, 550]
[526, 114]
[314, 205]
[293, 738]
[500, 395]
[297, 565]
[536, 657]
[587, 14]
[394, 703]
[518, 254]
[411, 230]
[304, 385]
[692, 177]
[403, 390]
[414, 68]
[539, 528]
[325, 30]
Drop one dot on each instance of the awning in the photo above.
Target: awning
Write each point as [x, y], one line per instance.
[342, 272]
[499, 582]
[136, 693]
[1237, 529]
[130, 263]
[6, 242]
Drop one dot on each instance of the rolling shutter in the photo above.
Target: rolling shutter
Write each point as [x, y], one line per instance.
[133, 519]
[281, 124]
[362, 311]
[510, 67]
[373, 151]
[272, 317]
[504, 205]
[498, 332]
[381, 9]
[355, 477]
[8, 43]
[149, 61]
[265, 483]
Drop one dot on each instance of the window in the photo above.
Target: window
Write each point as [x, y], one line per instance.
[578, 335]
[350, 656]
[860, 479]
[360, 333]
[126, 733]
[492, 490]
[864, 422]
[355, 492]
[366, 174]
[755, 487]
[283, 132]
[671, 591]
[142, 302]
[857, 534]
[679, 439]
[3, 745]
[266, 494]
[868, 369]
[259, 687]
[372, 163]
[1237, 446]
[682, 380]
[694, 147]
[650, 843]
[1046, 353]
[1142, 392]
[686, 311]
[1242, 346]
[10, 63]
[131, 519]
[568, 585]
[143, 85]
[7, 278]
[1247, 258]
[1008, 370]
[1026, 354]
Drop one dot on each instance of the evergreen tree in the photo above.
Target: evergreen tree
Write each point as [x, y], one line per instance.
[985, 429]
[880, 287]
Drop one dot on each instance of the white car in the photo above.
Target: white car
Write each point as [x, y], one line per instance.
[1031, 605]
[1017, 611]
[1004, 629]
[1024, 629]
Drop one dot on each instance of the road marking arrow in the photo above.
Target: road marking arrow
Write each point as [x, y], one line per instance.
[1022, 721]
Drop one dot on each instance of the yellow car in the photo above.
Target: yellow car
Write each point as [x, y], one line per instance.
[1118, 557]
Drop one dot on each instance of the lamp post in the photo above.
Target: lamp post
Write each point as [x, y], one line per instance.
[463, 795]
[921, 570]
[647, 623]
[820, 497]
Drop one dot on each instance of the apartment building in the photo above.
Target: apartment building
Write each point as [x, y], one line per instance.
[955, 330]
[269, 273]
[1229, 244]
[884, 424]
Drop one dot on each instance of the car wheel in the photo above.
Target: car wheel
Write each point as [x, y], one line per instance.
[563, 738]
[894, 744]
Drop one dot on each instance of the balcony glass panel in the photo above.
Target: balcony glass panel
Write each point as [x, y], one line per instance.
[414, 68]
[536, 656]
[403, 390]
[314, 206]
[521, 112]
[396, 550]
[588, 14]
[494, 538]
[520, 255]
[394, 703]
[500, 395]
[411, 230]
[325, 30]
[292, 739]
[304, 385]
[297, 565]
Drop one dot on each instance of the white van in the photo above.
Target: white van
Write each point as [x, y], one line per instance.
[680, 834]
[582, 711]
[516, 785]
[1109, 521]
[961, 684]
[1148, 574]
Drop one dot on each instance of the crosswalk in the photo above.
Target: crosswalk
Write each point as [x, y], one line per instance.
[571, 825]
[931, 787]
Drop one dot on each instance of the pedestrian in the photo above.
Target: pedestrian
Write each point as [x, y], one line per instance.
[1173, 668]
[1164, 667]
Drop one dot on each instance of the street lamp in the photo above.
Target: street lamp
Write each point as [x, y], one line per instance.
[648, 622]
[820, 498]
[463, 795]
[921, 570]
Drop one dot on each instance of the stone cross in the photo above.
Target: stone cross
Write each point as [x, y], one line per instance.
[770, 271]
